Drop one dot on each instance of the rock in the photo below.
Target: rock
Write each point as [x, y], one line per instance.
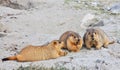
[118, 41]
[11, 4]
[2, 34]
[20, 4]
[100, 23]
[3, 29]
[87, 20]
[115, 8]
[95, 3]
[90, 20]
[88, 17]
[98, 61]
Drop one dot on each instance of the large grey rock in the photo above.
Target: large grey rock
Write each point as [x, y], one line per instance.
[87, 20]
[115, 8]
[99, 23]
[90, 20]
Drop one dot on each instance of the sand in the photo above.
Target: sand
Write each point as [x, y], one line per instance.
[47, 22]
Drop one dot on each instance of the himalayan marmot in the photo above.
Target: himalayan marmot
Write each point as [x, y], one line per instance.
[97, 38]
[36, 53]
[73, 41]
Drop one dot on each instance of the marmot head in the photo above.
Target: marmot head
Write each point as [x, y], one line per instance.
[92, 34]
[57, 44]
[73, 38]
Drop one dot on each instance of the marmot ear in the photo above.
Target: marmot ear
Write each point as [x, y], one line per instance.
[55, 43]
[87, 29]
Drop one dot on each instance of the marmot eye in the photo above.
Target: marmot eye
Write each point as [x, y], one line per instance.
[59, 42]
[71, 35]
[74, 37]
[89, 33]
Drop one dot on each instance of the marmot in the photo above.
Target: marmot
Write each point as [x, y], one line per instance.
[73, 41]
[96, 37]
[36, 53]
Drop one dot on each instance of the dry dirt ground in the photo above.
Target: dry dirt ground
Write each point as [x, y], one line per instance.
[47, 20]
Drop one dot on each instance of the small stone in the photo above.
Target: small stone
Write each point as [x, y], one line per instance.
[118, 41]
[15, 48]
[2, 34]
[71, 57]
[96, 67]
[26, 35]
[98, 61]
[23, 42]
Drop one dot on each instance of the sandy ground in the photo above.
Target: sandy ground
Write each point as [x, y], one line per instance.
[47, 22]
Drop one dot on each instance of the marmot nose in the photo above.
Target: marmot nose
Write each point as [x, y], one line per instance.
[92, 37]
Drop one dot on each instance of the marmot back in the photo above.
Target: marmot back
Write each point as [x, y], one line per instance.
[35, 53]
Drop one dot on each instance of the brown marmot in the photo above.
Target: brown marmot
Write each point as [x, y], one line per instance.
[73, 41]
[36, 53]
[96, 37]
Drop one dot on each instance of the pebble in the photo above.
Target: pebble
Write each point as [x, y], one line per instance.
[118, 41]
[98, 61]
[2, 34]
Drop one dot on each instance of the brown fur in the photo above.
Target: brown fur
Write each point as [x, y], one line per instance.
[96, 37]
[73, 41]
[35, 53]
